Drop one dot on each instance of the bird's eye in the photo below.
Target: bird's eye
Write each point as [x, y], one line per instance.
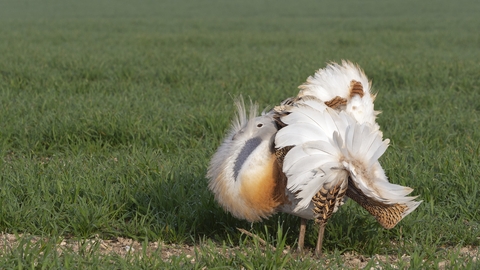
[260, 125]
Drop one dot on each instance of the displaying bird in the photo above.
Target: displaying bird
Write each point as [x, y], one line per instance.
[304, 156]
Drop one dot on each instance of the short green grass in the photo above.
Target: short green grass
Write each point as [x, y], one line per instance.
[111, 110]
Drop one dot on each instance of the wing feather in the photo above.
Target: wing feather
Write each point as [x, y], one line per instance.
[315, 160]
[333, 144]
[366, 172]
[297, 134]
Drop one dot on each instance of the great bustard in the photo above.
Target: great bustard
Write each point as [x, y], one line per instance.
[306, 154]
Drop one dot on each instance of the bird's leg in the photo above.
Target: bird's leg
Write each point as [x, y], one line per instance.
[301, 235]
[321, 231]
[325, 202]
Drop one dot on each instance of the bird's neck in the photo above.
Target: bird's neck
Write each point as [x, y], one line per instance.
[262, 184]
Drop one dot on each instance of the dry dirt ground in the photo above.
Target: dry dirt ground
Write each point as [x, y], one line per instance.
[123, 246]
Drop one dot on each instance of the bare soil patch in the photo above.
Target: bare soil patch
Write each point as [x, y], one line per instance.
[123, 246]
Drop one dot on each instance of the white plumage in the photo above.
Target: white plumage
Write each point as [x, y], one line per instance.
[306, 154]
[336, 147]
[337, 81]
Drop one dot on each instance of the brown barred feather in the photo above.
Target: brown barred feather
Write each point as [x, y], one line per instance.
[356, 88]
[336, 102]
[387, 215]
[325, 201]
[281, 153]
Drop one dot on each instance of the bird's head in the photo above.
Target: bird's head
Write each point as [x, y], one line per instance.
[241, 170]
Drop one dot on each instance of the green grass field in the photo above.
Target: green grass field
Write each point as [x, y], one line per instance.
[111, 110]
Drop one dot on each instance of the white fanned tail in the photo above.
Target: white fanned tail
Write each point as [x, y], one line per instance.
[331, 146]
[349, 85]
[334, 80]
